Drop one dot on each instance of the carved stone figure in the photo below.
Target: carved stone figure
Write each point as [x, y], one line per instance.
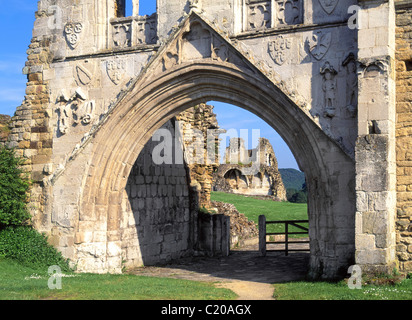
[64, 112]
[74, 110]
[195, 5]
[329, 88]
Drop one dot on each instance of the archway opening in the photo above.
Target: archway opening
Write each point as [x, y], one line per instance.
[276, 189]
[174, 195]
[141, 112]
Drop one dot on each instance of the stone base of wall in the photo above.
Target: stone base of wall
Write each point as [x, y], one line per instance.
[241, 228]
[213, 234]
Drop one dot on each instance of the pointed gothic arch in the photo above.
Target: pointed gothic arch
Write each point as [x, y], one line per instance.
[158, 96]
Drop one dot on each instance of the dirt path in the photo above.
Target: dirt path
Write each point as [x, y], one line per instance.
[249, 290]
[244, 272]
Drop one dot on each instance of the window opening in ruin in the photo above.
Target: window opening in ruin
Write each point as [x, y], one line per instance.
[120, 8]
[129, 8]
[408, 65]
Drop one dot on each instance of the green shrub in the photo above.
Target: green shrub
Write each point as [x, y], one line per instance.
[299, 197]
[290, 193]
[14, 186]
[30, 248]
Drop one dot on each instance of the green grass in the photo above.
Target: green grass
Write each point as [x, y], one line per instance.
[340, 291]
[274, 211]
[18, 282]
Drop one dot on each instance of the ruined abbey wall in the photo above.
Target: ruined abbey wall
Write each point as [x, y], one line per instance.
[404, 135]
[202, 156]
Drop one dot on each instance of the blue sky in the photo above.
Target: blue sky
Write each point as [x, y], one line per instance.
[16, 23]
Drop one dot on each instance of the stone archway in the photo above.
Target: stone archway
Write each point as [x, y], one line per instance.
[173, 83]
[99, 86]
[234, 179]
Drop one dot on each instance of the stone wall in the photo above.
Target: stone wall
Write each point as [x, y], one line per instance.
[158, 224]
[213, 234]
[404, 136]
[197, 123]
[241, 228]
[31, 133]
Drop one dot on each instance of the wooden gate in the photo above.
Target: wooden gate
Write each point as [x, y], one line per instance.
[263, 241]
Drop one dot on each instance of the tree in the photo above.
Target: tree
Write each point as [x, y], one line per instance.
[299, 197]
[296, 196]
[14, 187]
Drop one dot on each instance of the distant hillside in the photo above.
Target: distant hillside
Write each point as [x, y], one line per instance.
[292, 178]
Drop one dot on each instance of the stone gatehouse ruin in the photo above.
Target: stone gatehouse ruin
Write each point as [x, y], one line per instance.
[331, 77]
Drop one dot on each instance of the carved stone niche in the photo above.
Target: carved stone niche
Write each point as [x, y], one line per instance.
[132, 31]
[196, 43]
[146, 30]
[289, 12]
[259, 14]
[122, 34]
[350, 64]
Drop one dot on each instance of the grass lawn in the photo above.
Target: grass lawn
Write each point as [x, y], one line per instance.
[306, 290]
[273, 210]
[18, 282]
[340, 291]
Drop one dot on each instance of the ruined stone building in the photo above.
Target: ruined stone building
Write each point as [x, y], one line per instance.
[331, 77]
[202, 156]
[250, 172]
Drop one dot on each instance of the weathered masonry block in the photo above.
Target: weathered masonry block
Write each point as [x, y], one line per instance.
[100, 84]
